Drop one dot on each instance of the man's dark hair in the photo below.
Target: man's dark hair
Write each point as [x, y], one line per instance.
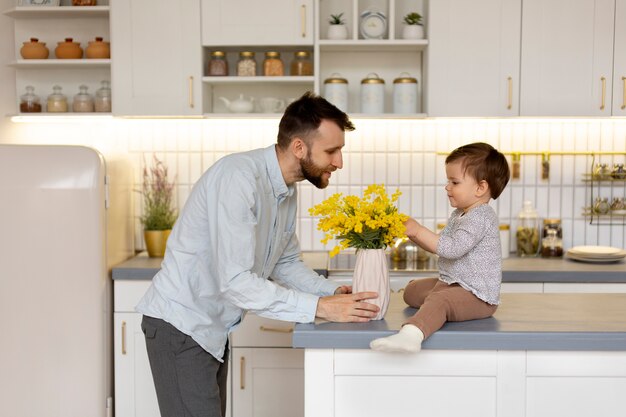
[303, 117]
[484, 163]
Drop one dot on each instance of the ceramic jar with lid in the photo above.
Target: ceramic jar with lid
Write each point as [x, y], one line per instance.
[273, 65]
[57, 102]
[405, 94]
[83, 102]
[218, 66]
[34, 49]
[372, 94]
[98, 49]
[29, 102]
[246, 66]
[102, 102]
[505, 240]
[68, 49]
[336, 91]
[301, 64]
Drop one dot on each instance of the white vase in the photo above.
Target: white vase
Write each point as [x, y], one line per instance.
[371, 273]
[337, 32]
[413, 32]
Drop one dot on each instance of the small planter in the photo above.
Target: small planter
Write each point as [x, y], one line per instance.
[337, 32]
[156, 241]
[413, 32]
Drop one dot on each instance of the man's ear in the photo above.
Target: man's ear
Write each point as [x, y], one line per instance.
[298, 147]
[482, 188]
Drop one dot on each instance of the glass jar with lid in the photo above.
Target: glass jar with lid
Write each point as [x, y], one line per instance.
[218, 66]
[301, 64]
[102, 103]
[83, 102]
[273, 65]
[246, 66]
[527, 234]
[29, 102]
[57, 101]
[551, 245]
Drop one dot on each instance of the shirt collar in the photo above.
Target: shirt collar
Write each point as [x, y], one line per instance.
[279, 187]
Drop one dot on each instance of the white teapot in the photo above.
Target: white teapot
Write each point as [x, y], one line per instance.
[239, 105]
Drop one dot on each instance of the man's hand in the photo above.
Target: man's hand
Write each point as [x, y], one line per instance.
[347, 307]
[344, 289]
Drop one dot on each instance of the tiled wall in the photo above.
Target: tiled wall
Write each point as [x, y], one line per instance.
[399, 153]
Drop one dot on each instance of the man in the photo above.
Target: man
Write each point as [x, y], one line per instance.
[237, 230]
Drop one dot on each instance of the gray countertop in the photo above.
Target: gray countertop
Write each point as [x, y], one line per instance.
[513, 269]
[585, 322]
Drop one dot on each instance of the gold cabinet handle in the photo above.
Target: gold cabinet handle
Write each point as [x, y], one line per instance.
[603, 92]
[510, 105]
[242, 373]
[303, 19]
[624, 93]
[123, 338]
[276, 329]
[191, 92]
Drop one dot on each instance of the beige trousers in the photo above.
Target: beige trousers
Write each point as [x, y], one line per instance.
[439, 302]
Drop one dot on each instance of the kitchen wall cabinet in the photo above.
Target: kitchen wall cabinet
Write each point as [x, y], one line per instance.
[567, 57]
[52, 25]
[619, 60]
[157, 58]
[474, 58]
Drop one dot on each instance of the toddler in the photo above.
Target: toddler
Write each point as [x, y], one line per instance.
[470, 264]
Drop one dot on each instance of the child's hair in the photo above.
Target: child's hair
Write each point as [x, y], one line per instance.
[483, 162]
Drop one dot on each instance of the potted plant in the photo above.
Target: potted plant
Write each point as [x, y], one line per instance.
[159, 214]
[337, 29]
[413, 28]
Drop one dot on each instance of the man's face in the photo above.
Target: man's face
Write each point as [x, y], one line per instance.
[324, 157]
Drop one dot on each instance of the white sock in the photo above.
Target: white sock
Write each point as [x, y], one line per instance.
[408, 340]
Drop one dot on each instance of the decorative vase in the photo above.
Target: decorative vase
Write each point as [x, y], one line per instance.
[68, 50]
[34, 49]
[98, 49]
[337, 32]
[156, 241]
[413, 32]
[371, 273]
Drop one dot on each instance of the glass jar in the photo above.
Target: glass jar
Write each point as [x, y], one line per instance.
[336, 91]
[273, 65]
[246, 66]
[84, 2]
[102, 103]
[57, 102]
[527, 234]
[601, 206]
[372, 94]
[218, 66]
[29, 102]
[301, 64]
[83, 102]
[551, 245]
[552, 224]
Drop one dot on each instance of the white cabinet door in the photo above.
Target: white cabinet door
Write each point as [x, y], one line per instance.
[567, 57]
[134, 389]
[473, 58]
[156, 57]
[267, 382]
[619, 62]
[253, 22]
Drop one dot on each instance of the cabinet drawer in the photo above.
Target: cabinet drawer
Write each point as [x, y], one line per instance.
[257, 331]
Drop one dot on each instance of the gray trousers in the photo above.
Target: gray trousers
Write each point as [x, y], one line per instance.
[189, 381]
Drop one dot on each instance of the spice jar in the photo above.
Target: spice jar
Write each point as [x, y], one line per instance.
[301, 64]
[57, 102]
[405, 94]
[84, 2]
[218, 66]
[34, 49]
[273, 65]
[527, 235]
[246, 66]
[29, 102]
[372, 94]
[336, 91]
[505, 240]
[83, 102]
[102, 103]
[551, 245]
[552, 224]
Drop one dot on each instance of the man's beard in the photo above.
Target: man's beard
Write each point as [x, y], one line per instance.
[312, 173]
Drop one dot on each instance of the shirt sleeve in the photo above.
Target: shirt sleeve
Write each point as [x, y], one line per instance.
[464, 236]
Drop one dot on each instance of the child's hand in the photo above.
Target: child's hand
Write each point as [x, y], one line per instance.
[412, 227]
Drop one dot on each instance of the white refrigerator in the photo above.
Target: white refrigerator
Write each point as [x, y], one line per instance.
[65, 219]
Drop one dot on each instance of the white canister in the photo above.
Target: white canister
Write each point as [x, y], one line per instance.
[405, 94]
[505, 240]
[336, 91]
[372, 94]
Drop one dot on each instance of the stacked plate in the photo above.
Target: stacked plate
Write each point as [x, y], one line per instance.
[596, 254]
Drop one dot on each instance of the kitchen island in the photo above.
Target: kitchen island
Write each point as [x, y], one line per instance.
[540, 355]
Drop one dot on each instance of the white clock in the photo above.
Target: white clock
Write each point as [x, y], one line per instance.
[373, 24]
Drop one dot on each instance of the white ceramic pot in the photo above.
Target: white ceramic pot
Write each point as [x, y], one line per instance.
[413, 32]
[337, 32]
[336, 91]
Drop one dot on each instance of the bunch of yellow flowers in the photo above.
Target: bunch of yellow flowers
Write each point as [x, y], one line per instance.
[371, 222]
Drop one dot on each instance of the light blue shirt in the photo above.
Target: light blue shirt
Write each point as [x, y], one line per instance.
[236, 230]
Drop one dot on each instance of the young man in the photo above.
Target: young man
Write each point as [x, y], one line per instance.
[236, 231]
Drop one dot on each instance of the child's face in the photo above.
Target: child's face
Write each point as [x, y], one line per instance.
[464, 192]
